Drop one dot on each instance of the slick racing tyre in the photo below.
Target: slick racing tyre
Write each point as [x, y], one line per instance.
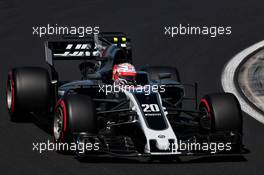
[223, 113]
[28, 90]
[224, 110]
[155, 71]
[74, 114]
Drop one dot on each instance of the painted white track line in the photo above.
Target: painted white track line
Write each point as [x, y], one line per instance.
[228, 82]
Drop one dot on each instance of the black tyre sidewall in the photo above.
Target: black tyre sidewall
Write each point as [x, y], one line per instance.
[80, 116]
[32, 90]
[225, 112]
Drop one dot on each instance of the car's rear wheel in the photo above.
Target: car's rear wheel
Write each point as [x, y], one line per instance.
[28, 90]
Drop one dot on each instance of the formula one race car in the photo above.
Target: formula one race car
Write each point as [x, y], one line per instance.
[145, 118]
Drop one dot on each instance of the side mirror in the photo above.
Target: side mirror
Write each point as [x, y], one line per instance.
[164, 75]
[142, 78]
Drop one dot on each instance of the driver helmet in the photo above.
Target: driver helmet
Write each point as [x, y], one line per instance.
[124, 74]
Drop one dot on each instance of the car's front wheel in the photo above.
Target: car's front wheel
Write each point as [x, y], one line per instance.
[223, 113]
[74, 114]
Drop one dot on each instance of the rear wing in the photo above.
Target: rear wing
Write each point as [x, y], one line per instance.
[88, 47]
[69, 50]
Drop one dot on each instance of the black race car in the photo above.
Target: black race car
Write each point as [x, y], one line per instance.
[128, 122]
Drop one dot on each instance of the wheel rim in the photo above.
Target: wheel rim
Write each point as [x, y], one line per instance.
[205, 110]
[206, 121]
[58, 124]
[9, 95]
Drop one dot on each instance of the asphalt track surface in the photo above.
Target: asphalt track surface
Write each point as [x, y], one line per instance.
[199, 58]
